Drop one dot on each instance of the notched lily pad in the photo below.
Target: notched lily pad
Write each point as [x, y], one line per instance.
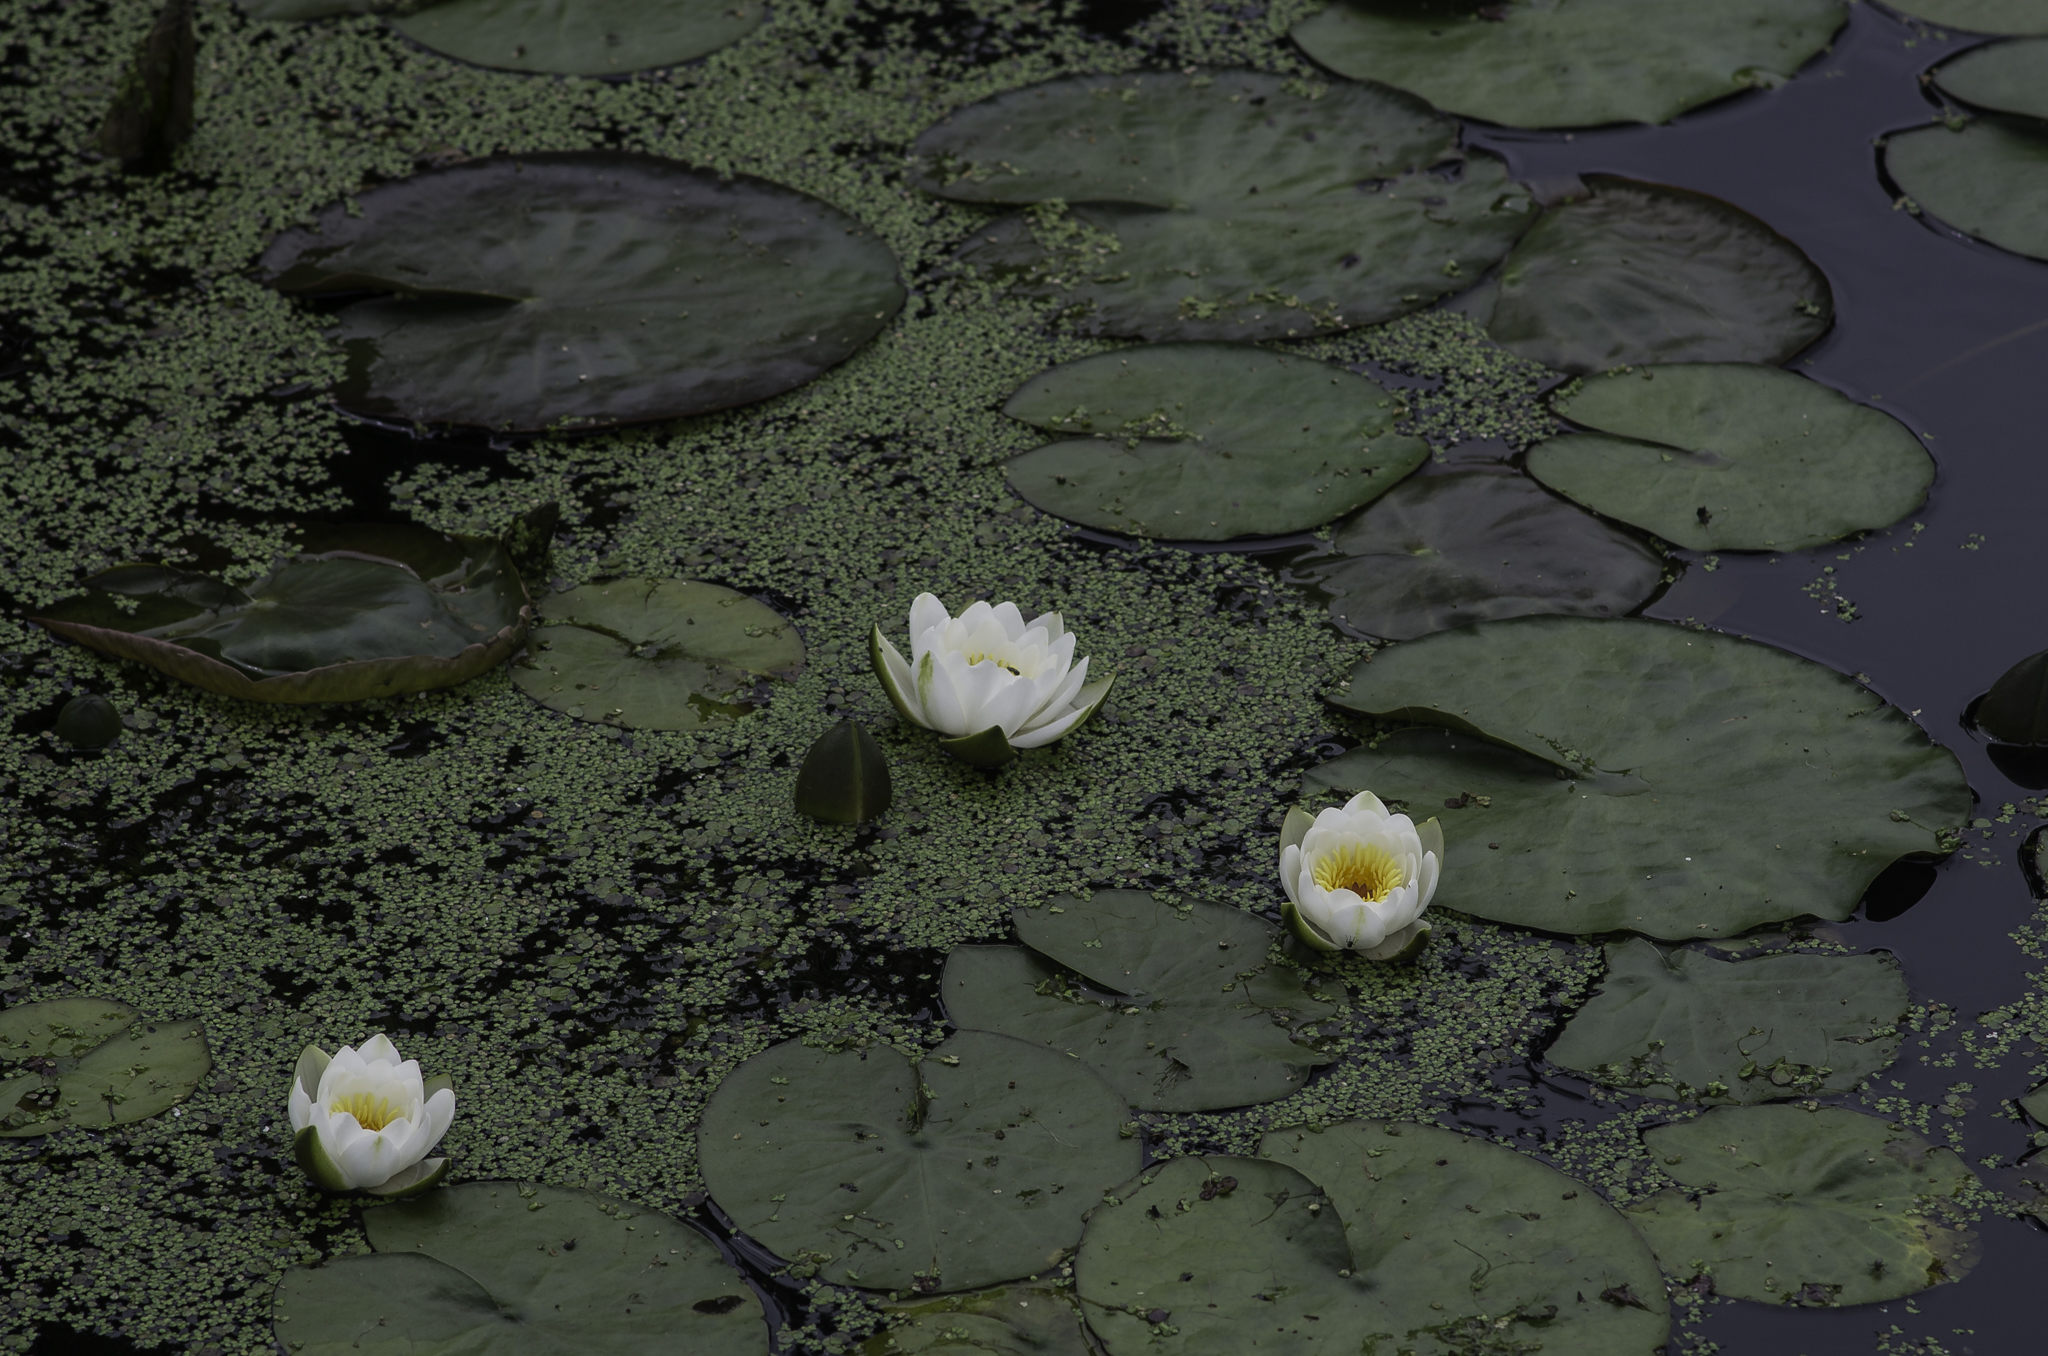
[1988, 178]
[656, 654]
[508, 1268]
[1013, 1320]
[1179, 1011]
[92, 1062]
[1205, 442]
[580, 37]
[362, 611]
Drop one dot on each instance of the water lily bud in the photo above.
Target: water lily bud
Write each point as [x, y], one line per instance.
[88, 722]
[844, 778]
[364, 1119]
[988, 680]
[1358, 879]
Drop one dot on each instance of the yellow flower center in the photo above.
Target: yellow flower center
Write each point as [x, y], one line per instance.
[978, 657]
[1366, 869]
[371, 1110]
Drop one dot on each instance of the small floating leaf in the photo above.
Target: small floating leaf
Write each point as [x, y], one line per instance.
[844, 778]
[1989, 179]
[92, 1062]
[580, 37]
[152, 113]
[88, 722]
[2015, 710]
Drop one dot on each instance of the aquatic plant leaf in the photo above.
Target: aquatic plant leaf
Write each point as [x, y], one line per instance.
[580, 37]
[844, 778]
[152, 111]
[1223, 204]
[1689, 1026]
[299, 11]
[1180, 1011]
[498, 1268]
[1204, 442]
[1443, 551]
[363, 611]
[1645, 273]
[1628, 795]
[1733, 457]
[1527, 63]
[88, 721]
[2035, 1104]
[2015, 710]
[655, 654]
[1804, 1205]
[92, 1062]
[969, 1168]
[585, 288]
[2015, 17]
[1014, 1320]
[1988, 179]
[2005, 77]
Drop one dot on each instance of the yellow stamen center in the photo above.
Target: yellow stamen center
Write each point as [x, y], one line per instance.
[372, 1112]
[1366, 869]
[978, 657]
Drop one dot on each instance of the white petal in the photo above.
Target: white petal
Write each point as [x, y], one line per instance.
[925, 613]
[1059, 698]
[1009, 704]
[940, 677]
[905, 687]
[1045, 734]
[438, 1112]
[1010, 619]
[1366, 802]
[1426, 880]
[300, 1106]
[379, 1047]
[1290, 872]
[1055, 626]
[976, 616]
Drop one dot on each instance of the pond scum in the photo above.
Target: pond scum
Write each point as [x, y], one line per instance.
[663, 996]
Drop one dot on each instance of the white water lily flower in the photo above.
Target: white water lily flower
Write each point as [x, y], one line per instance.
[990, 681]
[364, 1119]
[1358, 879]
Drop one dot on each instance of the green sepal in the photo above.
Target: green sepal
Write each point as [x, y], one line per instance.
[1398, 948]
[312, 1064]
[422, 1175]
[1299, 822]
[1091, 696]
[986, 748]
[1307, 931]
[899, 700]
[311, 1156]
[437, 1083]
[1432, 835]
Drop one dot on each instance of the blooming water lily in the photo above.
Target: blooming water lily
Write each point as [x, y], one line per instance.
[364, 1119]
[990, 681]
[1358, 879]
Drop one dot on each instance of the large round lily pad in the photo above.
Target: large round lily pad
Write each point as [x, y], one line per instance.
[362, 611]
[2005, 77]
[1180, 1011]
[580, 37]
[1804, 1205]
[92, 1062]
[1225, 204]
[1732, 456]
[1541, 63]
[1645, 273]
[1690, 1026]
[1988, 179]
[1012, 1320]
[1442, 551]
[969, 1168]
[655, 654]
[1646, 776]
[511, 1269]
[1979, 16]
[583, 288]
[1205, 442]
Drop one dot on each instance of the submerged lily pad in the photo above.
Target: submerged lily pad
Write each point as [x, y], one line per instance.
[1204, 442]
[1014, 1320]
[2005, 77]
[507, 1268]
[1225, 204]
[1804, 1205]
[1442, 551]
[1179, 1011]
[2016, 17]
[1539, 63]
[1689, 1026]
[2015, 710]
[1657, 779]
[655, 654]
[1989, 179]
[969, 1168]
[584, 288]
[1646, 273]
[580, 37]
[1731, 456]
[363, 611]
[92, 1062]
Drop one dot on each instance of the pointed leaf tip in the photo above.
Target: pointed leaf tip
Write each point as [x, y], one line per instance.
[844, 778]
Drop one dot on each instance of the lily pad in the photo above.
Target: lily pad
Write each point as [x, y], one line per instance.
[1204, 442]
[969, 1168]
[505, 1268]
[1988, 179]
[1224, 204]
[1646, 273]
[1581, 63]
[1804, 1205]
[2005, 77]
[580, 37]
[1688, 1026]
[656, 654]
[1179, 1011]
[299, 11]
[1732, 457]
[1978, 16]
[363, 611]
[2035, 1104]
[2015, 710]
[1657, 779]
[585, 288]
[1014, 1320]
[1443, 551]
[92, 1062]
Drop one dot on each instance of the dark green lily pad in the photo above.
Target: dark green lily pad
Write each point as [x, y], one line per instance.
[298, 11]
[1179, 1011]
[585, 288]
[1988, 179]
[2035, 1104]
[1688, 1026]
[969, 1168]
[363, 611]
[1733, 457]
[1443, 551]
[1532, 63]
[1657, 779]
[1015, 1320]
[509, 1268]
[1646, 273]
[1204, 442]
[2005, 77]
[92, 1062]
[580, 37]
[2014, 17]
[2015, 710]
[655, 654]
[1224, 204]
[1804, 1205]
